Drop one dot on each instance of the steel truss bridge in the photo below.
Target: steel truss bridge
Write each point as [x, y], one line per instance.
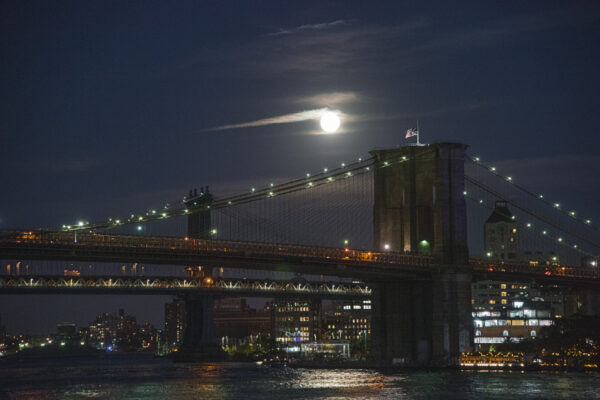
[179, 286]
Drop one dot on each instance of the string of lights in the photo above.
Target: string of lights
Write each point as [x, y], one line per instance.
[543, 233]
[572, 214]
[529, 212]
[310, 180]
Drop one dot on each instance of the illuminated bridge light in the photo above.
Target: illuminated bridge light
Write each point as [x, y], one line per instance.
[493, 169]
[509, 178]
[480, 201]
[359, 159]
[118, 221]
[343, 165]
[465, 193]
[307, 175]
[349, 173]
[403, 158]
[529, 224]
[253, 190]
[310, 184]
[476, 159]
[385, 163]
[330, 179]
[271, 194]
[560, 239]
[229, 202]
[587, 221]
[80, 223]
[541, 196]
[324, 169]
[271, 184]
[556, 205]
[163, 214]
[572, 213]
[368, 169]
[544, 232]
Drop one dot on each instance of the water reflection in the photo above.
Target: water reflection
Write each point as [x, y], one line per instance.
[147, 378]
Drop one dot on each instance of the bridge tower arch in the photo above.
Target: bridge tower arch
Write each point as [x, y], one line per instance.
[419, 207]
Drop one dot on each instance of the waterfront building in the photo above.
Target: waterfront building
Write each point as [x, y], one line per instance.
[234, 319]
[348, 320]
[296, 320]
[520, 320]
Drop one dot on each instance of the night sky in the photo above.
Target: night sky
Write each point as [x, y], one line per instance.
[108, 106]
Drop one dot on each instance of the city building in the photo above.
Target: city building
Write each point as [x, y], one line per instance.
[348, 320]
[66, 331]
[102, 332]
[522, 319]
[234, 319]
[500, 234]
[296, 320]
[174, 322]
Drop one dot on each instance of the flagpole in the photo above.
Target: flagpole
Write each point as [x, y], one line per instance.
[418, 133]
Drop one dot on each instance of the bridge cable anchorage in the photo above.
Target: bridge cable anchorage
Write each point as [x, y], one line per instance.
[571, 214]
[527, 211]
[529, 227]
[360, 167]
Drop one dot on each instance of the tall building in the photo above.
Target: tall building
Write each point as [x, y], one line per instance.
[174, 322]
[103, 330]
[500, 234]
[296, 320]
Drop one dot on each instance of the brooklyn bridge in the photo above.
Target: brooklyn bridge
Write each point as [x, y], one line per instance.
[401, 227]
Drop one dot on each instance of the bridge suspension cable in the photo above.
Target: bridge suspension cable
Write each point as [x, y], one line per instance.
[571, 214]
[179, 208]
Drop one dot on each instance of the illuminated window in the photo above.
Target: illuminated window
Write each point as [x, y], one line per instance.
[492, 301]
[503, 301]
[503, 286]
[503, 294]
[514, 230]
[505, 333]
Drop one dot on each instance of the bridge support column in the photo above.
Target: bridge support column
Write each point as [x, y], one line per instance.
[422, 323]
[583, 302]
[452, 322]
[199, 341]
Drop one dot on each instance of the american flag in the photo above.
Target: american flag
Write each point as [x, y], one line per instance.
[411, 132]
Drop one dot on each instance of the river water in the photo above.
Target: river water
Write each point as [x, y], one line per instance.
[142, 377]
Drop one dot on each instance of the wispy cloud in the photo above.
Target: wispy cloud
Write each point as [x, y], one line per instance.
[311, 27]
[280, 119]
[332, 99]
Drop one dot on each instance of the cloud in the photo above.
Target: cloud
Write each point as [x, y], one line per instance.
[281, 119]
[310, 27]
[330, 99]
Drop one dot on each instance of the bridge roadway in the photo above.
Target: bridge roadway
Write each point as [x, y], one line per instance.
[361, 264]
[54, 284]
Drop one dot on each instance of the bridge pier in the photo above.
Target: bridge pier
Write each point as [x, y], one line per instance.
[582, 301]
[422, 322]
[199, 341]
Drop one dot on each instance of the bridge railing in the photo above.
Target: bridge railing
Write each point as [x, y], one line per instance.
[182, 285]
[247, 249]
[525, 267]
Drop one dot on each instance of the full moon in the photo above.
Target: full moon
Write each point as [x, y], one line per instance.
[330, 122]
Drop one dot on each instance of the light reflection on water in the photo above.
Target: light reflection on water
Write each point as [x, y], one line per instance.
[141, 377]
